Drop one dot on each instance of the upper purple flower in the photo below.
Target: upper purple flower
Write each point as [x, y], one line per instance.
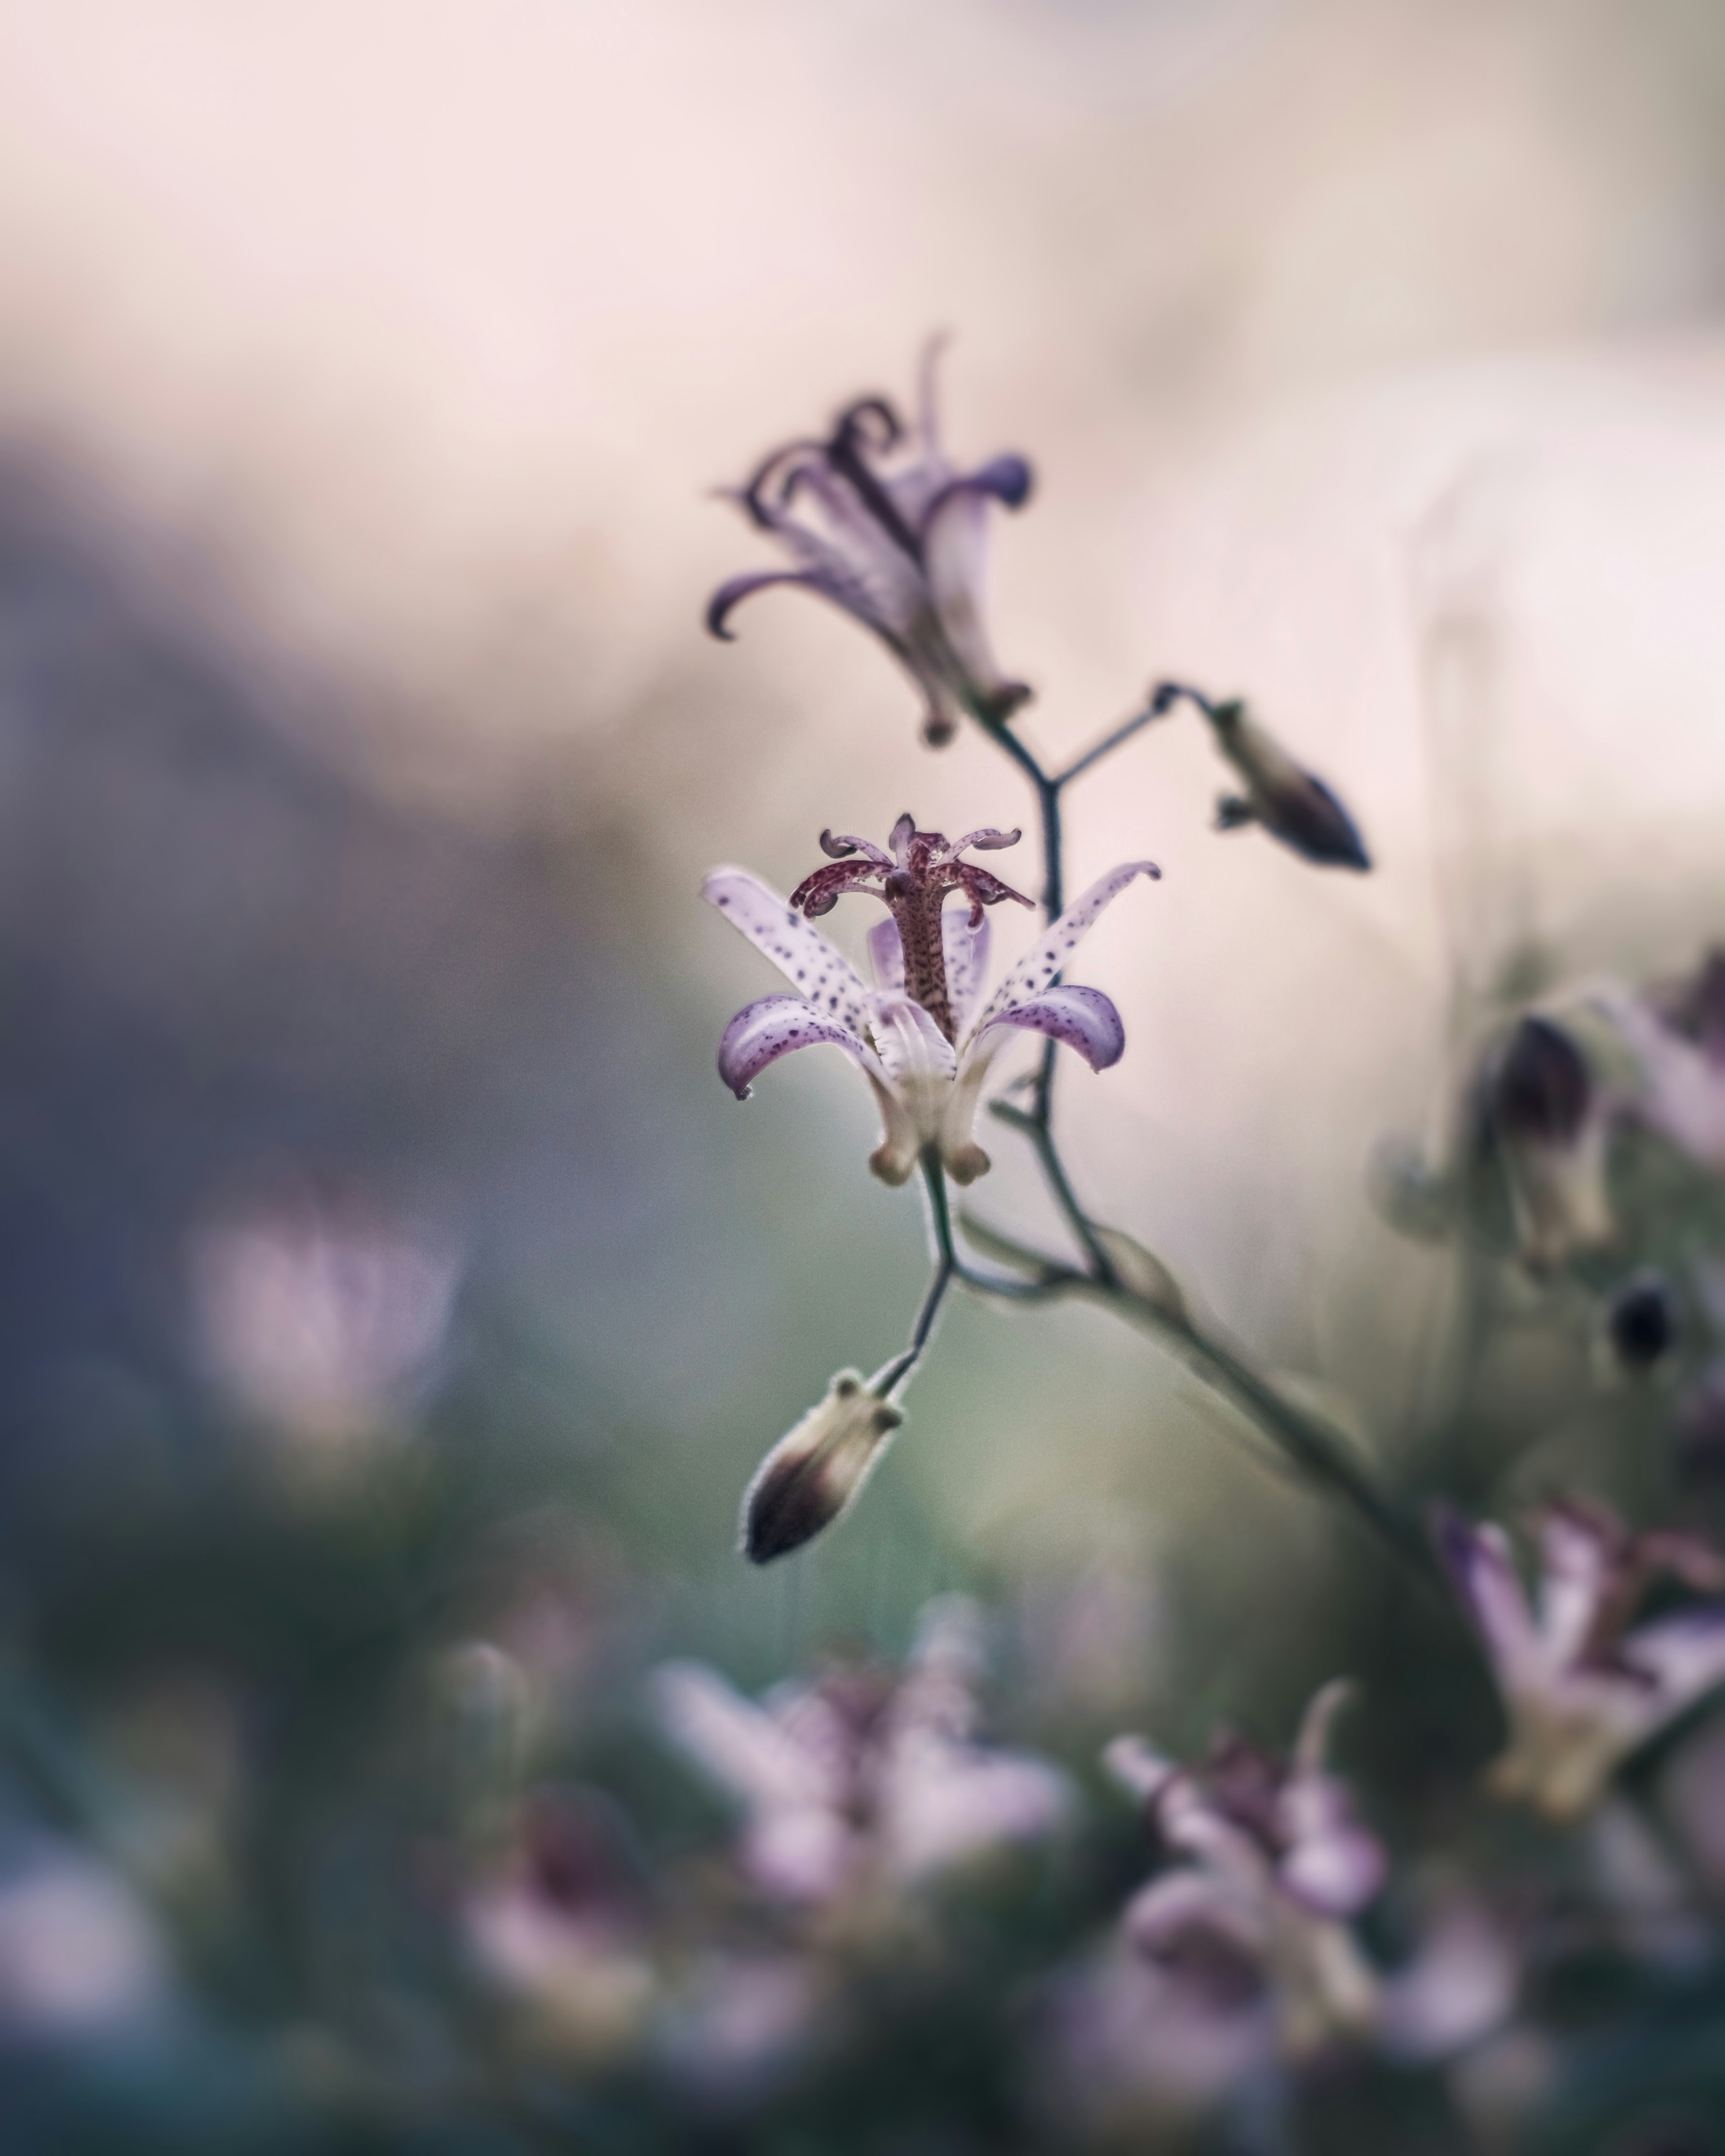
[919, 1038]
[879, 521]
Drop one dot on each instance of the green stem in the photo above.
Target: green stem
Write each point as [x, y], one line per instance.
[1109, 742]
[1309, 1447]
[893, 1374]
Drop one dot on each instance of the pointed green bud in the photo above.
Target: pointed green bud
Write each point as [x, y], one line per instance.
[815, 1469]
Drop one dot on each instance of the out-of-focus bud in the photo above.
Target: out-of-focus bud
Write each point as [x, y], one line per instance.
[1642, 1320]
[1291, 802]
[816, 1469]
[1551, 1122]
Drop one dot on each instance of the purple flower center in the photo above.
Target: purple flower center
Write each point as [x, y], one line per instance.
[911, 881]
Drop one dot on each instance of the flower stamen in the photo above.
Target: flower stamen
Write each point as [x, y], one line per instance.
[911, 881]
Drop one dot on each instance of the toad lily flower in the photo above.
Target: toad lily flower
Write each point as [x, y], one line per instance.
[857, 1783]
[919, 1036]
[1581, 1689]
[901, 547]
[1282, 1864]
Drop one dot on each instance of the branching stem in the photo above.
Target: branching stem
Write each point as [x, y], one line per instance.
[1312, 1449]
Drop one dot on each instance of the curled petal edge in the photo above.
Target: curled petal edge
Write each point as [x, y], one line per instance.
[1082, 1020]
[731, 593]
[772, 1026]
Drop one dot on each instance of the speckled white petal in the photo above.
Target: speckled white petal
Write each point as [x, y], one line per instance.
[817, 968]
[1036, 970]
[1082, 1020]
[762, 1031]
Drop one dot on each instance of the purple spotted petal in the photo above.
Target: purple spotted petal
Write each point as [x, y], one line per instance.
[1081, 1018]
[1037, 967]
[762, 1032]
[811, 964]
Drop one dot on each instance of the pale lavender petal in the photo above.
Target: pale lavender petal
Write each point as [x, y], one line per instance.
[763, 1031]
[736, 1745]
[955, 553]
[735, 590]
[1685, 1655]
[1037, 968]
[944, 1803]
[863, 567]
[1332, 1865]
[1138, 1769]
[813, 966]
[937, 1695]
[1187, 1820]
[886, 956]
[1080, 1018]
[966, 951]
[1460, 1986]
[1576, 1561]
[1483, 1574]
[1180, 1905]
[1006, 479]
[801, 1852]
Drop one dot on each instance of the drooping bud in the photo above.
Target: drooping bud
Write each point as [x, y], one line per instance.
[816, 1469]
[1291, 804]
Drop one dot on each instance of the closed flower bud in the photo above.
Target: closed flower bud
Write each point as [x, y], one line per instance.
[1291, 804]
[815, 1469]
[1643, 1319]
